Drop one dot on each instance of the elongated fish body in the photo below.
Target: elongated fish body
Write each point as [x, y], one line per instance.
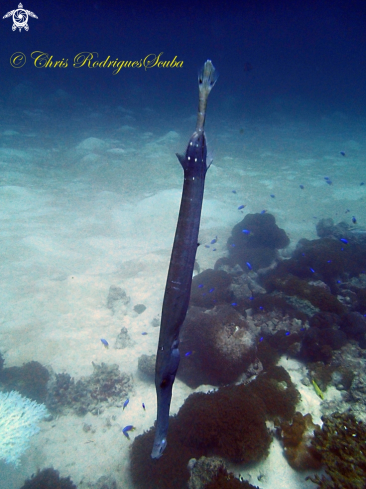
[178, 286]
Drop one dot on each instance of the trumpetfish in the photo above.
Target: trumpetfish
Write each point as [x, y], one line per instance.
[179, 280]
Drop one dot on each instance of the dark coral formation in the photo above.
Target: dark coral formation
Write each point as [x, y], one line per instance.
[216, 346]
[228, 423]
[277, 391]
[30, 380]
[318, 272]
[297, 437]
[211, 473]
[354, 326]
[331, 374]
[226, 480]
[290, 285]
[204, 470]
[340, 446]
[210, 288]
[254, 241]
[326, 228]
[105, 386]
[146, 365]
[48, 479]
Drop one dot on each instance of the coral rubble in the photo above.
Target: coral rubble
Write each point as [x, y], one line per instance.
[106, 386]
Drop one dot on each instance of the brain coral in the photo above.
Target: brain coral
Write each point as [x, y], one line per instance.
[217, 346]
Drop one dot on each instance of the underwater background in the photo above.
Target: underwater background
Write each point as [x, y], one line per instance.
[90, 189]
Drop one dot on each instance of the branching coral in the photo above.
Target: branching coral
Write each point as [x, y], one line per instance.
[19, 419]
[341, 446]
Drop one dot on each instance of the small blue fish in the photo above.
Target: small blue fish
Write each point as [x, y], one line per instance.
[200, 286]
[354, 220]
[342, 153]
[326, 178]
[273, 196]
[312, 270]
[207, 246]
[211, 290]
[234, 191]
[329, 182]
[241, 207]
[188, 353]
[213, 241]
[246, 231]
[126, 429]
[302, 187]
[125, 404]
[343, 240]
[362, 183]
[249, 266]
[287, 333]
[143, 407]
[144, 333]
[234, 304]
[105, 342]
[263, 211]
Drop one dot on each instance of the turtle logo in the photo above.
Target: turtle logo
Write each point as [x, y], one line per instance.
[20, 18]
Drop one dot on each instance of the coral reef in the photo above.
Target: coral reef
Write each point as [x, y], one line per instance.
[319, 344]
[146, 365]
[19, 418]
[48, 479]
[226, 480]
[106, 386]
[292, 285]
[229, 423]
[30, 380]
[211, 473]
[167, 472]
[340, 446]
[254, 241]
[216, 345]
[297, 437]
[210, 288]
[277, 392]
[203, 471]
[354, 326]
[326, 228]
